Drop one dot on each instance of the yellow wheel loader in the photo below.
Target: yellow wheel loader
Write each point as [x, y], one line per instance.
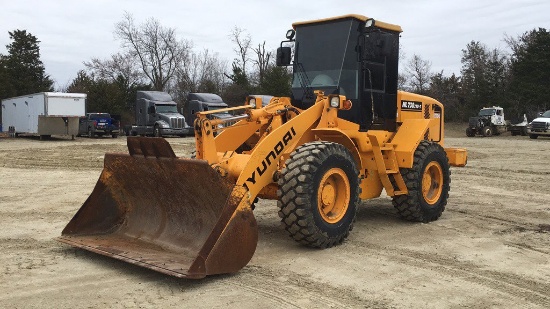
[344, 135]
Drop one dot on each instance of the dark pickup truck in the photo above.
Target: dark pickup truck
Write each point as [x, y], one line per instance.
[98, 124]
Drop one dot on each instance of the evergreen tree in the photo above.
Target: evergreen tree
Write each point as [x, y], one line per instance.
[23, 66]
[485, 76]
[531, 72]
[235, 94]
[448, 90]
[276, 82]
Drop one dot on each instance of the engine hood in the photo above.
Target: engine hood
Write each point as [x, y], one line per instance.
[541, 119]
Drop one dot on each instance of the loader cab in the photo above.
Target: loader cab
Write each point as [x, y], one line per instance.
[349, 55]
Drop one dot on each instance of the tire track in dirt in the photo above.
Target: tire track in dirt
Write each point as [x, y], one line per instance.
[65, 157]
[515, 225]
[296, 291]
[72, 157]
[281, 289]
[535, 292]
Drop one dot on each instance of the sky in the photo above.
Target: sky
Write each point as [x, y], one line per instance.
[73, 31]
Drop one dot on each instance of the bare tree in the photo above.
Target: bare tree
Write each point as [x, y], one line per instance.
[419, 72]
[262, 61]
[202, 69]
[242, 39]
[156, 48]
[119, 65]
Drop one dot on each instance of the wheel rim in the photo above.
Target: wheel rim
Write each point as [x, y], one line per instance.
[333, 195]
[432, 183]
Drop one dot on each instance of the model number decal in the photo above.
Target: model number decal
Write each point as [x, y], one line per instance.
[411, 106]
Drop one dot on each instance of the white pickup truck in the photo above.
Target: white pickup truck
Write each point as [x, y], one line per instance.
[539, 126]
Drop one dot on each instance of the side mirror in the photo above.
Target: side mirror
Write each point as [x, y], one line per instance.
[284, 55]
[540, 114]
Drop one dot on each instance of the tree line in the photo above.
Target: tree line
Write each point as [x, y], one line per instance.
[152, 57]
[516, 80]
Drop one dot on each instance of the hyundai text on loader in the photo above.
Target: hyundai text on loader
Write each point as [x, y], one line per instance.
[344, 135]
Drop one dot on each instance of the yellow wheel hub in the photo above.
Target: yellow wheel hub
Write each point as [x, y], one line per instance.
[333, 195]
[432, 183]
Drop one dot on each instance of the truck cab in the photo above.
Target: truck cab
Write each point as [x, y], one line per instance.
[489, 121]
[156, 114]
[202, 102]
[349, 55]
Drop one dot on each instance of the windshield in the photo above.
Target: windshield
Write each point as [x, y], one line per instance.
[166, 108]
[99, 116]
[546, 114]
[487, 112]
[325, 53]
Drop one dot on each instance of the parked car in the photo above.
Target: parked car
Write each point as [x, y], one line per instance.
[539, 126]
[98, 124]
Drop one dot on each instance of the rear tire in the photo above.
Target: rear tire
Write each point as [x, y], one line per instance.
[319, 194]
[428, 183]
[487, 131]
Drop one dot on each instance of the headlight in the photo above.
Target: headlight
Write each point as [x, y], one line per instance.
[335, 102]
[252, 102]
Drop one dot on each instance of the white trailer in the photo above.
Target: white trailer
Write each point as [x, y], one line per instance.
[44, 113]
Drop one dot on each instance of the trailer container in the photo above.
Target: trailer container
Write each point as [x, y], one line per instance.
[44, 113]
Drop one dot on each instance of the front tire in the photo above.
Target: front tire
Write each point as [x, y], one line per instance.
[428, 183]
[470, 132]
[319, 194]
[157, 132]
[487, 131]
[533, 136]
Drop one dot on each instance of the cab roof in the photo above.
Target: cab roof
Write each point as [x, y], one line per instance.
[379, 24]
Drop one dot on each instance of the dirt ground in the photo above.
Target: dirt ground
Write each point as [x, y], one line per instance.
[489, 249]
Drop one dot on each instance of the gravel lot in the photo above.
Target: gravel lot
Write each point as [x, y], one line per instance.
[490, 248]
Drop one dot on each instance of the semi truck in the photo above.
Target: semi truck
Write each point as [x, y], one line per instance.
[489, 121]
[204, 102]
[156, 114]
[44, 114]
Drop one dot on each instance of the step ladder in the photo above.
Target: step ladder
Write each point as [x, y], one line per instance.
[388, 169]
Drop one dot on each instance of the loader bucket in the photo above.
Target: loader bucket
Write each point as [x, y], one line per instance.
[173, 215]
